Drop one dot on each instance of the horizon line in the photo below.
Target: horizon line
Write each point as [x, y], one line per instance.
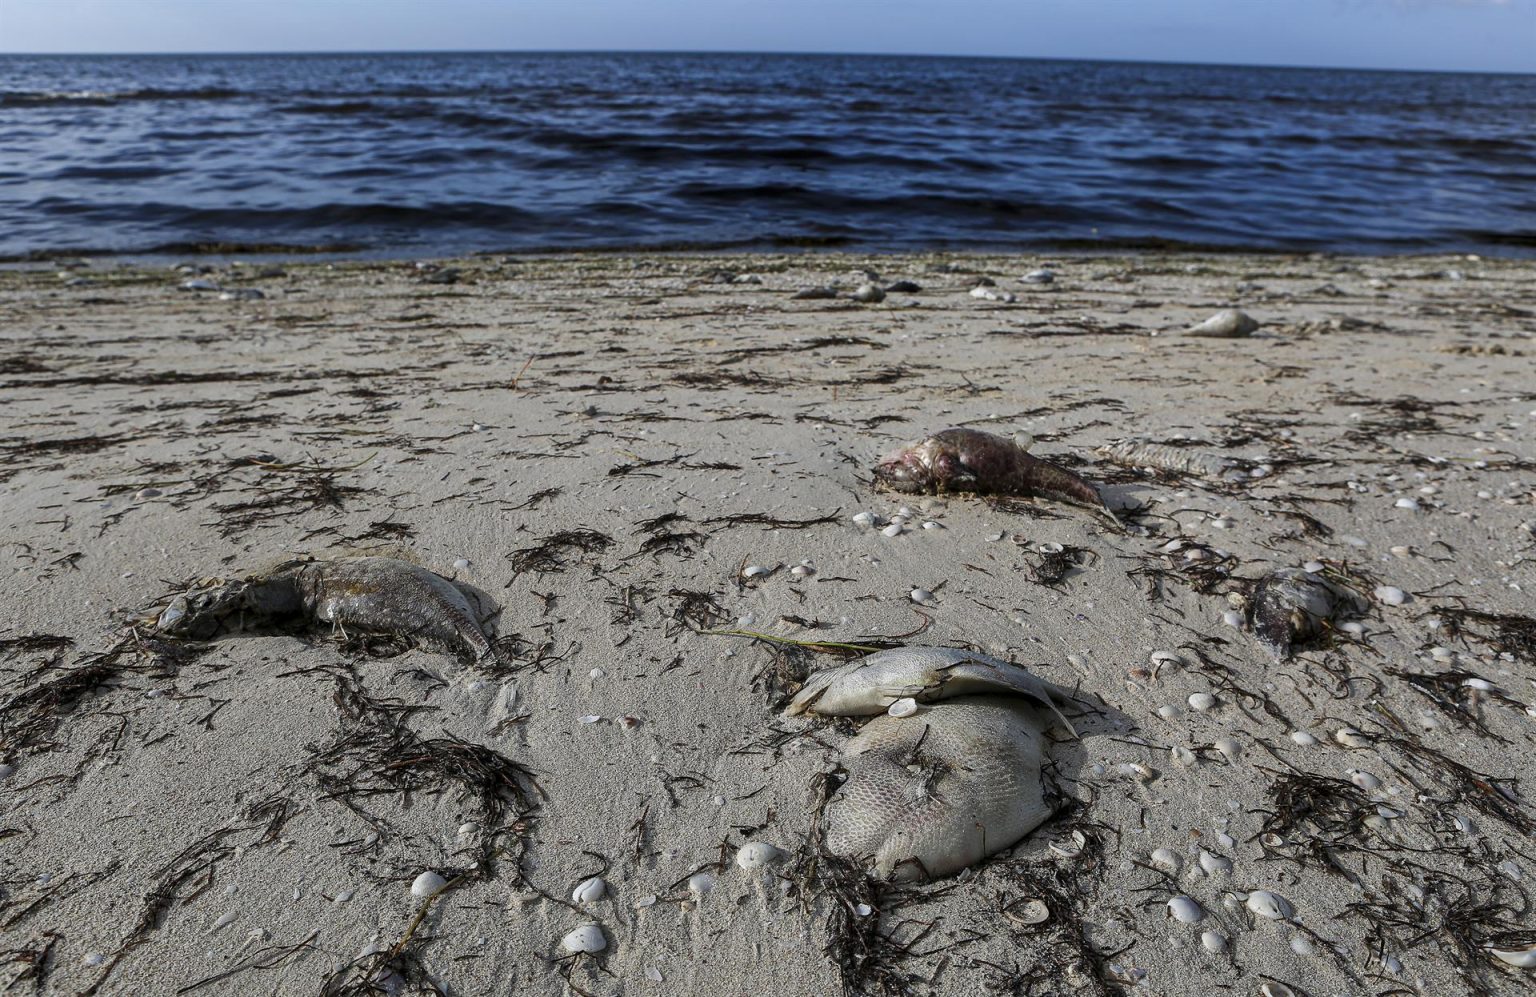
[762, 52]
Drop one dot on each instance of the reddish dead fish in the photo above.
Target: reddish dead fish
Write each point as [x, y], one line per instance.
[967, 460]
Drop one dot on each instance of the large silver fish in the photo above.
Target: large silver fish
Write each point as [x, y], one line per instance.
[1291, 607]
[968, 460]
[869, 685]
[932, 793]
[375, 595]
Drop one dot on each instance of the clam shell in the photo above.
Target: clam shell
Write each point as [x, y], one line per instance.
[590, 891]
[1185, 910]
[1214, 941]
[1270, 905]
[758, 855]
[587, 937]
[1168, 859]
[427, 884]
[1521, 958]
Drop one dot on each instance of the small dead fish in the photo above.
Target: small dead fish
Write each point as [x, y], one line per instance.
[968, 460]
[871, 684]
[1290, 608]
[376, 595]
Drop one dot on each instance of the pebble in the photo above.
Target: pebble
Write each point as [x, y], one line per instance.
[1185, 910]
[585, 938]
[1229, 323]
[1201, 701]
[426, 884]
[1270, 905]
[590, 891]
[1391, 595]
[869, 294]
[757, 855]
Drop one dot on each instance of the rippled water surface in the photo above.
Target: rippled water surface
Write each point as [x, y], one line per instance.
[450, 153]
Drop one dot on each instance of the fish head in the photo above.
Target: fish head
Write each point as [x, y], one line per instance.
[205, 611]
[924, 467]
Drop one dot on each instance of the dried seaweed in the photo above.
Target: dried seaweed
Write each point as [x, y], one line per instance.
[382, 756]
[1319, 817]
[1465, 917]
[33, 960]
[553, 552]
[768, 522]
[1507, 633]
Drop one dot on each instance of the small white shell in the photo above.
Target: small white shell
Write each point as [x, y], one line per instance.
[1523, 958]
[1270, 905]
[1302, 945]
[802, 571]
[757, 855]
[1314, 566]
[1391, 595]
[653, 974]
[1169, 712]
[1276, 990]
[754, 571]
[1232, 618]
[1363, 779]
[863, 910]
[893, 530]
[1351, 738]
[904, 707]
[922, 597]
[1182, 755]
[864, 519]
[701, 883]
[1168, 859]
[1214, 941]
[1201, 701]
[224, 921]
[1229, 748]
[1069, 848]
[1302, 738]
[427, 884]
[462, 564]
[1185, 910]
[587, 937]
[590, 891]
[1167, 658]
[1212, 864]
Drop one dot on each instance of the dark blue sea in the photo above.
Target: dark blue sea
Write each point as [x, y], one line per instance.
[425, 154]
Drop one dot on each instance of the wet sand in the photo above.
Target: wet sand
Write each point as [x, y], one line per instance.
[600, 446]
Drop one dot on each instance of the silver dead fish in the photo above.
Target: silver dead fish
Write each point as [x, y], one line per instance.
[375, 595]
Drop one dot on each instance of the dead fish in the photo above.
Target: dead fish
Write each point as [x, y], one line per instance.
[968, 460]
[929, 794]
[1140, 453]
[869, 685]
[376, 595]
[1291, 607]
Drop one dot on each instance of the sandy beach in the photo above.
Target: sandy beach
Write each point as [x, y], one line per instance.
[600, 447]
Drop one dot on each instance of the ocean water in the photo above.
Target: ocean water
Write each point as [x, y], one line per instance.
[426, 154]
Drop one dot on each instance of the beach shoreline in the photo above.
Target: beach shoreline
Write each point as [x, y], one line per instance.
[601, 444]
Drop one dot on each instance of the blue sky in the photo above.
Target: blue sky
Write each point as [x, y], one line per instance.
[1494, 35]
